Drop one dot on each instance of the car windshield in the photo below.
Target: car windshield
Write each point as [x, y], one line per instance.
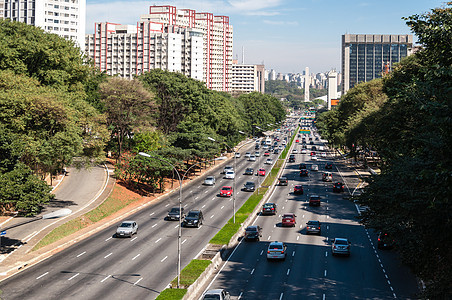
[227, 188]
[251, 229]
[192, 215]
[126, 225]
[209, 178]
[249, 183]
[175, 210]
[341, 242]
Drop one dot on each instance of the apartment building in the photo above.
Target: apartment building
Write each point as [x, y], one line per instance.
[65, 18]
[364, 56]
[128, 50]
[247, 78]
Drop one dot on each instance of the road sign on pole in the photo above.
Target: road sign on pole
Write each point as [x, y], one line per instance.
[3, 232]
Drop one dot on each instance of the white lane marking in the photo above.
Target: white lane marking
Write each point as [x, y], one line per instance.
[269, 237]
[133, 239]
[81, 254]
[288, 271]
[302, 216]
[164, 258]
[152, 214]
[262, 252]
[205, 192]
[196, 198]
[222, 207]
[138, 281]
[154, 225]
[280, 297]
[199, 227]
[324, 274]
[213, 198]
[109, 238]
[74, 276]
[252, 271]
[327, 239]
[293, 253]
[301, 226]
[323, 296]
[283, 207]
[240, 296]
[105, 278]
[212, 216]
[327, 227]
[326, 253]
[184, 241]
[203, 206]
[167, 205]
[135, 256]
[185, 205]
[158, 240]
[176, 226]
[108, 255]
[42, 275]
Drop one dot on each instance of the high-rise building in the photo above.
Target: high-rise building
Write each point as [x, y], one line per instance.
[332, 87]
[247, 78]
[128, 50]
[64, 17]
[307, 84]
[365, 55]
[217, 40]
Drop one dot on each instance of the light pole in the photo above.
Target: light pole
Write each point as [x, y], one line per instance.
[235, 172]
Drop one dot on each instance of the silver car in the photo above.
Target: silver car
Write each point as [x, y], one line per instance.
[276, 250]
[210, 180]
[252, 158]
[340, 246]
[217, 294]
[127, 229]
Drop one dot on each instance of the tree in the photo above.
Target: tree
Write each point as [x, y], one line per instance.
[128, 106]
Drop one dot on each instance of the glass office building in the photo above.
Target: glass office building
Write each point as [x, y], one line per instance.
[364, 56]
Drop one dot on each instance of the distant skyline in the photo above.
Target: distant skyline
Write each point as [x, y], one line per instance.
[285, 35]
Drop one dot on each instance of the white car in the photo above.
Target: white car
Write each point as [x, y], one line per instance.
[229, 175]
[127, 228]
[314, 168]
[294, 151]
[303, 151]
[269, 161]
[257, 154]
[227, 168]
[313, 157]
[237, 155]
[277, 250]
[210, 180]
[247, 154]
[323, 154]
[252, 158]
[217, 294]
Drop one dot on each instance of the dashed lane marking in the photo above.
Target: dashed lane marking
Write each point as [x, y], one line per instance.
[74, 276]
[138, 281]
[158, 240]
[164, 258]
[105, 278]
[108, 255]
[81, 254]
[39, 277]
[136, 256]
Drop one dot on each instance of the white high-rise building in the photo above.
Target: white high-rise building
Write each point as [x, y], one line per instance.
[332, 87]
[63, 17]
[248, 78]
[307, 84]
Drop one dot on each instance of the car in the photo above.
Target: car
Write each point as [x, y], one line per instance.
[226, 191]
[304, 172]
[291, 158]
[247, 154]
[237, 155]
[340, 246]
[249, 186]
[217, 294]
[302, 166]
[267, 153]
[314, 168]
[269, 161]
[321, 148]
[316, 138]
[194, 218]
[298, 189]
[249, 171]
[313, 227]
[338, 187]
[314, 200]
[314, 157]
[210, 180]
[127, 229]
[252, 158]
[313, 153]
[229, 175]
[283, 181]
[303, 151]
[288, 220]
[257, 154]
[174, 214]
[276, 151]
[328, 166]
[327, 176]
[276, 250]
[384, 241]
[253, 232]
[304, 147]
[256, 147]
[295, 151]
[265, 146]
[280, 147]
[261, 172]
[311, 143]
[227, 168]
[323, 154]
[313, 148]
[297, 141]
[269, 209]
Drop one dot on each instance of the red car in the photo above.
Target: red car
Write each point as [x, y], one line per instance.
[226, 191]
[261, 172]
[298, 189]
[266, 153]
[288, 220]
[297, 141]
[313, 153]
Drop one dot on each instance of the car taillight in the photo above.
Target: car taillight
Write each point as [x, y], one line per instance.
[282, 252]
[268, 252]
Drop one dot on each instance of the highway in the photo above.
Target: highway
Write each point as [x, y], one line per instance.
[310, 271]
[104, 267]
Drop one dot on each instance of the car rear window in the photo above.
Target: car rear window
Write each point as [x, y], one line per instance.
[341, 242]
[276, 247]
[288, 216]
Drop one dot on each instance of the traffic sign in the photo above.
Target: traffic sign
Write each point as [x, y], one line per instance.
[3, 233]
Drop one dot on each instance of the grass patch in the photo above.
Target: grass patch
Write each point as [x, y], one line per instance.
[171, 294]
[114, 203]
[191, 272]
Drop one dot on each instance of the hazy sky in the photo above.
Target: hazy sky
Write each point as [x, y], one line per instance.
[285, 35]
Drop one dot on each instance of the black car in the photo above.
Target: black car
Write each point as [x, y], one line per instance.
[283, 181]
[338, 187]
[269, 209]
[249, 171]
[313, 148]
[385, 241]
[304, 147]
[304, 172]
[328, 165]
[194, 218]
[249, 186]
[311, 143]
[253, 233]
[276, 151]
[291, 158]
[257, 147]
[313, 227]
[173, 214]
[303, 166]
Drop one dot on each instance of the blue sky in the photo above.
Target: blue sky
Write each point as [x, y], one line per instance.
[285, 35]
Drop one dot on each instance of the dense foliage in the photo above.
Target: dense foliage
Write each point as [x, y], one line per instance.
[411, 130]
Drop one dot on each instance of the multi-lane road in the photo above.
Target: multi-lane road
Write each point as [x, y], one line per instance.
[104, 267]
[310, 271]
